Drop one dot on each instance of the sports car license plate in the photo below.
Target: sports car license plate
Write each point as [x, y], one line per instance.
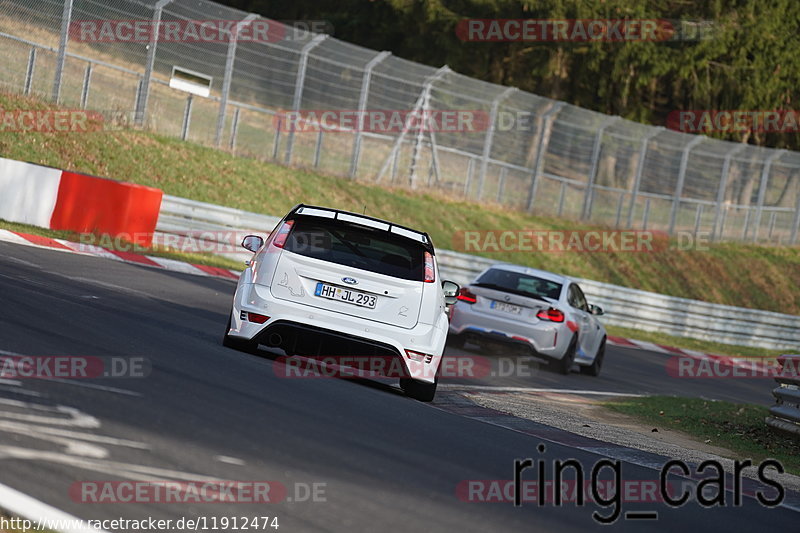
[507, 308]
[332, 292]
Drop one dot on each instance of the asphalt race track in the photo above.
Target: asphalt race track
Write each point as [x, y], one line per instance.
[384, 462]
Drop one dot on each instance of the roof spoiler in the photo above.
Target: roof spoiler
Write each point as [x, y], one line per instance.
[363, 220]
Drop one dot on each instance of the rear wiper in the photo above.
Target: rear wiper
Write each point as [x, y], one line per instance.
[351, 246]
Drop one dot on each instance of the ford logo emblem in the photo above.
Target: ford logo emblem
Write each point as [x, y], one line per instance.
[350, 281]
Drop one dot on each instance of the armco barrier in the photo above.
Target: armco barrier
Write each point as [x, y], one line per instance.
[624, 306]
[62, 200]
[785, 414]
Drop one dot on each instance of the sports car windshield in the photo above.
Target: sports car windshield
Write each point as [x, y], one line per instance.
[358, 246]
[518, 283]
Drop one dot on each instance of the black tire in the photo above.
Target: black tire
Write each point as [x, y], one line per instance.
[423, 392]
[456, 341]
[594, 368]
[564, 365]
[237, 344]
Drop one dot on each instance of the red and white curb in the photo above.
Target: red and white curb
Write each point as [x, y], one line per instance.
[754, 365]
[126, 257]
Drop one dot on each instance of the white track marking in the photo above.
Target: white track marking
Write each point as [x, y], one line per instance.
[649, 346]
[8, 236]
[487, 388]
[94, 386]
[20, 504]
[229, 460]
[88, 249]
[23, 392]
[177, 266]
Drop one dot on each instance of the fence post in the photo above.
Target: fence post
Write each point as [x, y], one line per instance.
[487, 145]
[226, 80]
[362, 106]
[637, 181]
[598, 139]
[500, 183]
[298, 89]
[276, 141]
[716, 230]
[30, 71]
[796, 222]
[234, 130]
[318, 148]
[544, 138]
[468, 179]
[66, 17]
[87, 82]
[762, 191]
[676, 201]
[144, 87]
[187, 117]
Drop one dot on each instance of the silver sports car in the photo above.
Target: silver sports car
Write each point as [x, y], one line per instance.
[539, 311]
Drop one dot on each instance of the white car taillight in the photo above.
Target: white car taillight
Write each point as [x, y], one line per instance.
[430, 270]
[283, 233]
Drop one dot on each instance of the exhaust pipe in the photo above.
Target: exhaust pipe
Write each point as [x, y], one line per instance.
[275, 340]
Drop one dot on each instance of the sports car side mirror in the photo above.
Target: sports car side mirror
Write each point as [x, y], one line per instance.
[596, 310]
[450, 290]
[252, 243]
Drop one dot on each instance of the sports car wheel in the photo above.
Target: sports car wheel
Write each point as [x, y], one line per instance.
[565, 364]
[423, 392]
[237, 344]
[594, 368]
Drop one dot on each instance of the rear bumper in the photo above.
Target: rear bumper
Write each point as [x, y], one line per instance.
[547, 339]
[315, 331]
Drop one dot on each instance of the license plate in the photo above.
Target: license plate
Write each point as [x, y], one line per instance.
[507, 308]
[332, 292]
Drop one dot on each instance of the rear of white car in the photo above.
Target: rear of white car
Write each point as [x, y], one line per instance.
[540, 312]
[331, 283]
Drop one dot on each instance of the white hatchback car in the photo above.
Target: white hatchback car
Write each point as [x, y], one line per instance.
[541, 312]
[331, 283]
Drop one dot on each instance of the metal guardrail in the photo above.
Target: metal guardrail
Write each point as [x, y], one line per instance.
[785, 414]
[623, 306]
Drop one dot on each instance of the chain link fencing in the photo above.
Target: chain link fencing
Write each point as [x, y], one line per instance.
[524, 151]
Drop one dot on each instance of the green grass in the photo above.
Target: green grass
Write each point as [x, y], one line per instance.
[711, 347]
[761, 277]
[739, 428]
[197, 259]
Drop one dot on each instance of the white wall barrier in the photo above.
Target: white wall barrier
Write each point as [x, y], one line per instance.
[28, 192]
